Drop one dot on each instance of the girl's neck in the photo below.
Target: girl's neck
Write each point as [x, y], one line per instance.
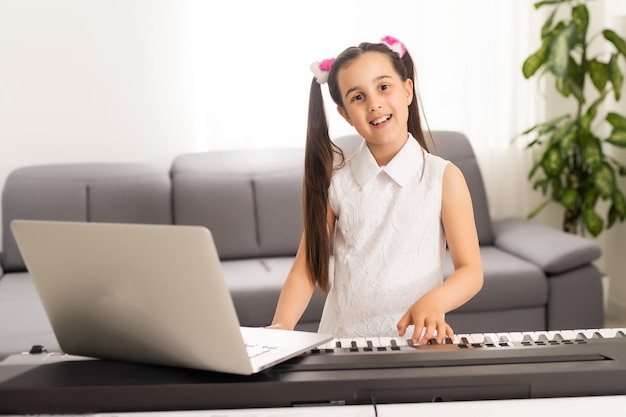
[384, 153]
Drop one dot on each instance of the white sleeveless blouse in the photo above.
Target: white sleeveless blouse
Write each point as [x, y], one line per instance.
[389, 241]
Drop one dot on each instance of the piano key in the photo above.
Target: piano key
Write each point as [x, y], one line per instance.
[477, 338]
[328, 345]
[400, 341]
[385, 341]
[360, 342]
[516, 336]
[461, 338]
[607, 333]
[568, 334]
[588, 332]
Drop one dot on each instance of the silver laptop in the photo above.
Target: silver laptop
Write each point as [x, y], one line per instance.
[146, 293]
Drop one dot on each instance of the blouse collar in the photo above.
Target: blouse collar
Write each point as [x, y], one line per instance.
[402, 167]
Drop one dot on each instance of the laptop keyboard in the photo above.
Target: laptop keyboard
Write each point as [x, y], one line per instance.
[255, 350]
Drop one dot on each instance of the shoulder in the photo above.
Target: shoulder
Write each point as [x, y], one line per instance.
[454, 184]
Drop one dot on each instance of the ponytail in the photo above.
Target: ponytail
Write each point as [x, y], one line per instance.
[318, 166]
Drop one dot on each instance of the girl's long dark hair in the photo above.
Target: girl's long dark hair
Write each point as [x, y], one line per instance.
[320, 155]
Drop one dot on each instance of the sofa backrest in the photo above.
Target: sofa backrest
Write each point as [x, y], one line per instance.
[98, 192]
[249, 199]
[455, 147]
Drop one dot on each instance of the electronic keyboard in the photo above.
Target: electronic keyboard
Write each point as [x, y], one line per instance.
[465, 349]
[485, 366]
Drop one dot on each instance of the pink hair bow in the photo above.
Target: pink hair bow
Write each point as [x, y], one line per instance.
[395, 45]
[321, 69]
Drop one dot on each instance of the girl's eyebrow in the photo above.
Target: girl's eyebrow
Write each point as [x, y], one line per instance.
[355, 88]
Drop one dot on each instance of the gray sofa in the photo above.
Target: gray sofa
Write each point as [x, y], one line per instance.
[535, 277]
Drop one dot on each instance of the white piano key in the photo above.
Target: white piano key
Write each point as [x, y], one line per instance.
[375, 341]
[568, 334]
[384, 341]
[516, 336]
[361, 342]
[607, 333]
[478, 337]
[493, 338]
[588, 332]
[346, 342]
[400, 341]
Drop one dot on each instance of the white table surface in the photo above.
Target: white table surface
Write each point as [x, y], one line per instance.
[574, 406]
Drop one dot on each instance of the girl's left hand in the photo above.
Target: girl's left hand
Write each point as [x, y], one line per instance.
[428, 321]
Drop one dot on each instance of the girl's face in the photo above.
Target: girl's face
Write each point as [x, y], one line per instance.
[375, 100]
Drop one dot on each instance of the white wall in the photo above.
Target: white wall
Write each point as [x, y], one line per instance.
[94, 81]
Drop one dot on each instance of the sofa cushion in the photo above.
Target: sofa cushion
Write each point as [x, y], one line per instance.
[255, 286]
[510, 282]
[23, 320]
[249, 199]
[552, 250]
[115, 192]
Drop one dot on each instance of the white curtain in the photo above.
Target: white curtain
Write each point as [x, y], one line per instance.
[253, 78]
[146, 80]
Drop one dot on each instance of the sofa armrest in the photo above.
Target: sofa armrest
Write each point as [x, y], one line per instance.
[553, 250]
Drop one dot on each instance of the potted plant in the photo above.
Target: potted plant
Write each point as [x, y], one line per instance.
[572, 167]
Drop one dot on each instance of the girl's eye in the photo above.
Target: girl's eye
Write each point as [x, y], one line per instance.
[384, 87]
[357, 97]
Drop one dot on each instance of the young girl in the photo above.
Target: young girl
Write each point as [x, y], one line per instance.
[388, 209]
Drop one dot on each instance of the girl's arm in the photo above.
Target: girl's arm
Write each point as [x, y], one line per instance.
[427, 314]
[298, 288]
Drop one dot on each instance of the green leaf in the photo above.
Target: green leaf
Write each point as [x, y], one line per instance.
[612, 217]
[569, 197]
[563, 86]
[591, 152]
[590, 197]
[537, 209]
[568, 141]
[599, 73]
[593, 221]
[580, 17]
[616, 77]
[547, 2]
[617, 138]
[616, 120]
[619, 204]
[616, 40]
[552, 162]
[591, 113]
[536, 60]
[577, 91]
[604, 180]
[546, 28]
[560, 50]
